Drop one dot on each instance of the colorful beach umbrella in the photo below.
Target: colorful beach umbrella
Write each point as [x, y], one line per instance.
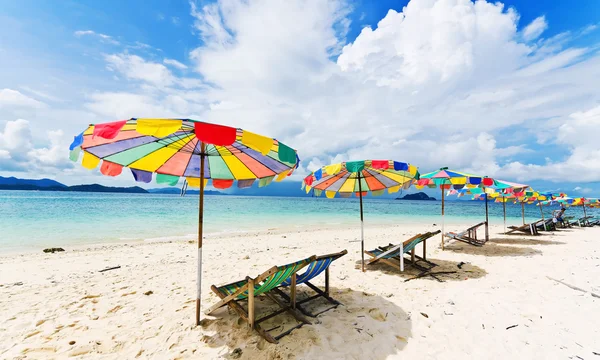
[500, 190]
[360, 178]
[173, 149]
[447, 179]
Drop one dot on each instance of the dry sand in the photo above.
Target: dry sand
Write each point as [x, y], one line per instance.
[59, 305]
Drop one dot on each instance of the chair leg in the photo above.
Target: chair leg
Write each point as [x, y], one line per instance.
[327, 281]
[251, 303]
[293, 292]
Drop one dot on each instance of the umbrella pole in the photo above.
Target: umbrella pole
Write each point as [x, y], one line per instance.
[200, 222]
[523, 211]
[442, 217]
[362, 225]
[504, 212]
[487, 232]
[542, 212]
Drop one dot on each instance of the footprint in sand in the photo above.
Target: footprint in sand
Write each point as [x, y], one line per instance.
[45, 350]
[115, 309]
[32, 334]
[81, 350]
[90, 297]
[377, 315]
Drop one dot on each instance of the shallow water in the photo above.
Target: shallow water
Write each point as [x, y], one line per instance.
[33, 219]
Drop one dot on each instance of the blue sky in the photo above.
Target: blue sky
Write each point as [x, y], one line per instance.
[505, 93]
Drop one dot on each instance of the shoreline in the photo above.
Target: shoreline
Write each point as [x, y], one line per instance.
[409, 222]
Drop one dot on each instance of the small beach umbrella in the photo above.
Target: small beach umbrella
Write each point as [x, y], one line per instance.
[182, 148]
[359, 178]
[451, 179]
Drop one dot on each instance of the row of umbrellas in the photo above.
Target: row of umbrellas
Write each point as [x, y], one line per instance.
[172, 150]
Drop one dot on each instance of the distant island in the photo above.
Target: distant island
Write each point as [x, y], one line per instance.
[12, 183]
[416, 196]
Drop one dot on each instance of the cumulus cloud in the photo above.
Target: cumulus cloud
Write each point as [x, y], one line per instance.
[19, 154]
[579, 133]
[440, 83]
[535, 28]
[431, 84]
[136, 68]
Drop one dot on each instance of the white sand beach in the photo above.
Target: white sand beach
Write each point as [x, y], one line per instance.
[500, 304]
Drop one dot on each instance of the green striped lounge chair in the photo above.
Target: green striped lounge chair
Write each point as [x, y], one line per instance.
[393, 255]
[246, 291]
[314, 269]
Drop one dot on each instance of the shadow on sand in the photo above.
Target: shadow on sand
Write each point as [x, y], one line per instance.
[466, 270]
[371, 324]
[491, 249]
[524, 241]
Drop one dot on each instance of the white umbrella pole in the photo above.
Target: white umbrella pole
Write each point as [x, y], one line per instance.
[200, 221]
[362, 225]
[504, 211]
[442, 217]
[487, 219]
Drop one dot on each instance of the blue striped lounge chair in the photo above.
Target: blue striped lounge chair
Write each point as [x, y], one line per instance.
[393, 255]
[314, 269]
[247, 290]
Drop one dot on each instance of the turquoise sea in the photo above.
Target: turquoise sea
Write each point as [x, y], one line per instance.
[32, 220]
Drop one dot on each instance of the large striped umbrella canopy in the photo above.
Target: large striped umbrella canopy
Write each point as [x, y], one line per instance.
[172, 149]
[447, 179]
[360, 178]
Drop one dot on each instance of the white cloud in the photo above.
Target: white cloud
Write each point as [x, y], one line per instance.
[136, 68]
[175, 64]
[430, 85]
[18, 153]
[102, 37]
[442, 83]
[579, 134]
[535, 29]
[14, 98]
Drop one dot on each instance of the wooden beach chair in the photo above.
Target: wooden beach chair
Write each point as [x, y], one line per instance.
[393, 255]
[469, 236]
[314, 269]
[529, 229]
[248, 289]
[545, 225]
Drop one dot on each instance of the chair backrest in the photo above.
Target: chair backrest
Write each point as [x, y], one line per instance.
[282, 273]
[476, 226]
[416, 241]
[315, 268]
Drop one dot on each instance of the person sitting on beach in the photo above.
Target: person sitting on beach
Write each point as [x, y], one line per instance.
[558, 215]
